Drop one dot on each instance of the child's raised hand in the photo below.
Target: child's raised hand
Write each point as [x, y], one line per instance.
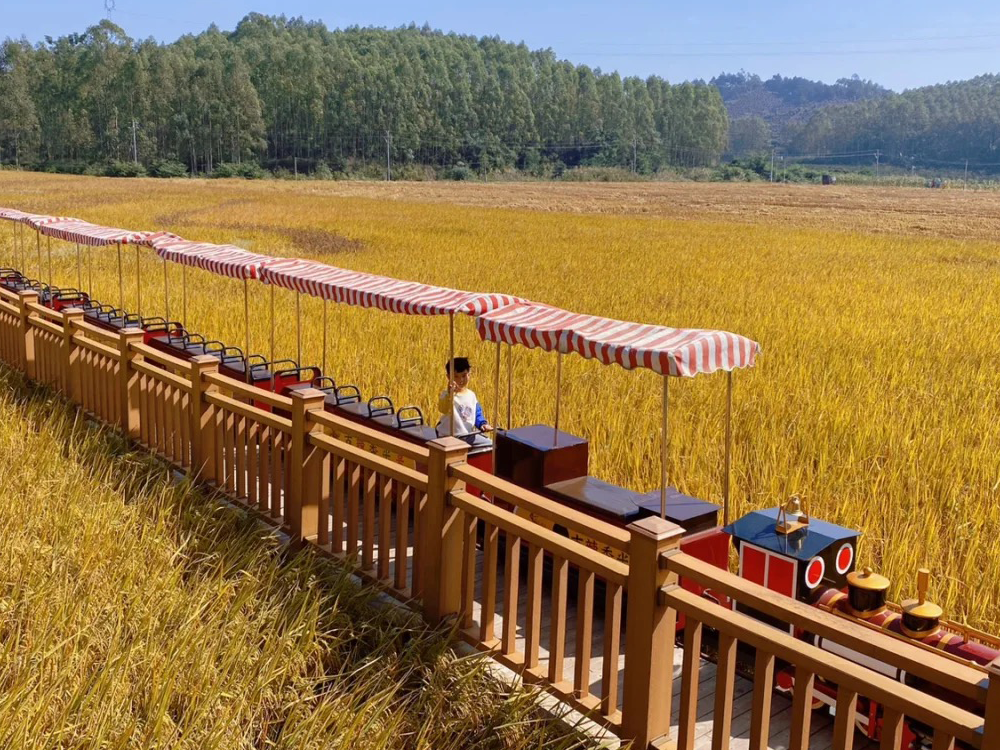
[453, 386]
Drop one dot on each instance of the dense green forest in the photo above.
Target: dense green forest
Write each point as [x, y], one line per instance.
[286, 93]
[934, 125]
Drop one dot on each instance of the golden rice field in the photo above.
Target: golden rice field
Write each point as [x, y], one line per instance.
[876, 396]
[135, 612]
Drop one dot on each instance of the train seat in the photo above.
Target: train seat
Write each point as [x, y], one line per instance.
[65, 298]
[359, 410]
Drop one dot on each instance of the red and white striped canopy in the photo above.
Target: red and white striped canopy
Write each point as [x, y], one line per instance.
[37, 221]
[11, 214]
[369, 290]
[93, 235]
[225, 260]
[667, 351]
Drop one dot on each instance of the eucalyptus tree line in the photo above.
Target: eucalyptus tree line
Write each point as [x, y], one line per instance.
[280, 91]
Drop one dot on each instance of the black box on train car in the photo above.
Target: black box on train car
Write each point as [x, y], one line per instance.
[537, 455]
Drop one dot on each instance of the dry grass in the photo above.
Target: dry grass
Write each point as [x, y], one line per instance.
[875, 397]
[136, 613]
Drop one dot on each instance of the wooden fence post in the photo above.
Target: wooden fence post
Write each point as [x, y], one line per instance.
[441, 532]
[24, 299]
[991, 726]
[650, 633]
[71, 317]
[302, 505]
[128, 379]
[202, 430]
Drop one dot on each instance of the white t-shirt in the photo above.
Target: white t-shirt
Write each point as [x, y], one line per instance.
[464, 414]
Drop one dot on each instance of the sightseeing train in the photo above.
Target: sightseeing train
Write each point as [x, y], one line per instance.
[782, 549]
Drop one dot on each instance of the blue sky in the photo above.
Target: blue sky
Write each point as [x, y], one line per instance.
[900, 45]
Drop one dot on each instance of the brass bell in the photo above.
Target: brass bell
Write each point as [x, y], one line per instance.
[792, 516]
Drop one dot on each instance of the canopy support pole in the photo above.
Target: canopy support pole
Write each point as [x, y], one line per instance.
[121, 283]
[184, 296]
[496, 405]
[510, 380]
[166, 296]
[138, 284]
[664, 441]
[555, 432]
[298, 328]
[729, 448]
[451, 373]
[48, 247]
[246, 327]
[90, 270]
[325, 316]
[38, 245]
[272, 338]
[79, 269]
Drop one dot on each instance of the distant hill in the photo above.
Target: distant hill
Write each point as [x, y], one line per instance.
[782, 102]
[941, 126]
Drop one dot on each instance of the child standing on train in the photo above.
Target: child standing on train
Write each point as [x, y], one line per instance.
[467, 415]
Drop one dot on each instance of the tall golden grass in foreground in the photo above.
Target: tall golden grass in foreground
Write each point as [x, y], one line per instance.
[136, 613]
[876, 395]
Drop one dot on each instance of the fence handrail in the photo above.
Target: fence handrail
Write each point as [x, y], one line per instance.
[45, 312]
[249, 392]
[601, 565]
[151, 353]
[602, 532]
[939, 670]
[96, 331]
[45, 325]
[163, 376]
[369, 460]
[273, 421]
[416, 453]
[95, 346]
[909, 701]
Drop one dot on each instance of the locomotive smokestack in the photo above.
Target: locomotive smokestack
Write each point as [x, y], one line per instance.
[866, 592]
[921, 618]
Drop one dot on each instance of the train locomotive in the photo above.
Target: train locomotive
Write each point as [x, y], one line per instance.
[813, 561]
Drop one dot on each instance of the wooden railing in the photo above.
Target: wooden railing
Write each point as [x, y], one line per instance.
[499, 561]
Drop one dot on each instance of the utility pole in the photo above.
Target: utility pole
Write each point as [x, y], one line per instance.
[772, 165]
[877, 155]
[135, 143]
[966, 185]
[388, 157]
[635, 145]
